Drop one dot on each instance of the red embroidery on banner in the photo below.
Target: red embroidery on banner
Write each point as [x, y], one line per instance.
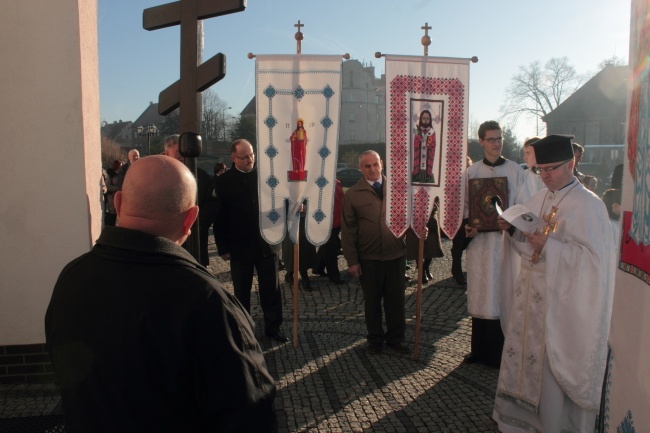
[400, 87]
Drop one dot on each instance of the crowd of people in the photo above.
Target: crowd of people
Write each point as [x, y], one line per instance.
[162, 334]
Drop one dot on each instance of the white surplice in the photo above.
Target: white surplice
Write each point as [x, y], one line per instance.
[533, 181]
[556, 339]
[484, 253]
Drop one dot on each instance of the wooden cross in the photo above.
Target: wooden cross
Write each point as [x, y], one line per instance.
[426, 39]
[194, 77]
[298, 37]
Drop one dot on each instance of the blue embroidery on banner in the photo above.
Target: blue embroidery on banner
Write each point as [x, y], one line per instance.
[627, 425]
[299, 93]
[270, 122]
[319, 215]
[269, 92]
[328, 92]
[324, 152]
[271, 152]
[274, 216]
[322, 182]
[326, 122]
[272, 182]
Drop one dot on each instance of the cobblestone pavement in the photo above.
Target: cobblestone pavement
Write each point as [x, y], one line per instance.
[327, 383]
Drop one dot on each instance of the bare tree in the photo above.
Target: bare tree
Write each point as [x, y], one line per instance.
[111, 151]
[214, 125]
[536, 91]
[612, 61]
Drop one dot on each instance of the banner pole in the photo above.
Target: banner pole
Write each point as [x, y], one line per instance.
[418, 302]
[296, 266]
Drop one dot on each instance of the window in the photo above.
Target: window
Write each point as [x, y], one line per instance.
[352, 117]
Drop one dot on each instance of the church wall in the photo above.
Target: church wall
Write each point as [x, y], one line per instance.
[50, 202]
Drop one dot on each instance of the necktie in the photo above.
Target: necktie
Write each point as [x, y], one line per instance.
[377, 187]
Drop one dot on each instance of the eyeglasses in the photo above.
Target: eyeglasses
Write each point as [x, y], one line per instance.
[245, 157]
[538, 170]
[494, 140]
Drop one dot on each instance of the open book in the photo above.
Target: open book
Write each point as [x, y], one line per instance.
[521, 217]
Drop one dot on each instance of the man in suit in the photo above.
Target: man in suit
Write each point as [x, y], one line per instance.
[240, 241]
[375, 256]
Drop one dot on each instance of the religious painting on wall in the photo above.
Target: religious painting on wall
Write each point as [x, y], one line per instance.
[425, 152]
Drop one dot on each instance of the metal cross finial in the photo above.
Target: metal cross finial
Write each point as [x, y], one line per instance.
[426, 39]
[298, 37]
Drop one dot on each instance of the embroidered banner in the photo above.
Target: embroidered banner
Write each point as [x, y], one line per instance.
[298, 99]
[427, 110]
[627, 385]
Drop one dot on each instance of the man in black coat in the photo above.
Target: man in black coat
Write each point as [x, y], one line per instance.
[207, 202]
[239, 240]
[144, 338]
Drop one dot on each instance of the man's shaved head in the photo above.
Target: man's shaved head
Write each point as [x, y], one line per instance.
[157, 193]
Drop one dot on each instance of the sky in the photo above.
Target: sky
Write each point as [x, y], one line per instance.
[135, 65]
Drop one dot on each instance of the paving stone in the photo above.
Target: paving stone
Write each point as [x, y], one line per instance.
[329, 384]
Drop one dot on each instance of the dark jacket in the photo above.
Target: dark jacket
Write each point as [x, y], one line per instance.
[237, 231]
[144, 339]
[364, 233]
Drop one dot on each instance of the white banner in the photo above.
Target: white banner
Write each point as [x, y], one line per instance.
[298, 100]
[427, 114]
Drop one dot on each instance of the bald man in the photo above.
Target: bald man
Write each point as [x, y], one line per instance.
[144, 338]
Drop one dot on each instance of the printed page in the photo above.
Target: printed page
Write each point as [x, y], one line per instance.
[521, 217]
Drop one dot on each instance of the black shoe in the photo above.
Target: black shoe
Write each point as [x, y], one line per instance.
[460, 279]
[407, 278]
[425, 279]
[278, 336]
[373, 348]
[289, 277]
[400, 348]
[320, 272]
[471, 359]
[306, 283]
[428, 274]
[281, 265]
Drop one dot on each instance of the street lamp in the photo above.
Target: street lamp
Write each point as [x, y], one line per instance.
[151, 130]
[223, 113]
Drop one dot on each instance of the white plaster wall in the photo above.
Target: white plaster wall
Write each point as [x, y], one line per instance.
[50, 162]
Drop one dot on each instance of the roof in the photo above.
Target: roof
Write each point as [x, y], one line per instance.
[604, 96]
[149, 116]
[113, 130]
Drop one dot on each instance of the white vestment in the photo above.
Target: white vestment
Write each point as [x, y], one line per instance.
[534, 182]
[556, 341]
[484, 253]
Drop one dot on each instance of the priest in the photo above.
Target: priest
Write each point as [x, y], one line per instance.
[555, 348]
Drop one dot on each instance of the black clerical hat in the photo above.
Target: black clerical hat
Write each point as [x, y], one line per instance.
[553, 148]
